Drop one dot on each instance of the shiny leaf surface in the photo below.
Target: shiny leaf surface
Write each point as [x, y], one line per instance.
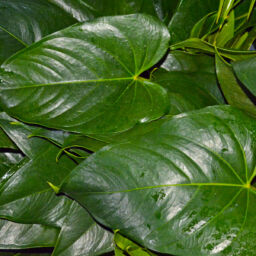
[20, 236]
[183, 189]
[60, 82]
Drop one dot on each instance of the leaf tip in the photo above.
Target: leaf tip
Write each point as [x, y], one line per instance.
[55, 188]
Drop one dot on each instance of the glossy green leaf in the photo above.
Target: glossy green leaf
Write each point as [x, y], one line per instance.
[245, 71]
[231, 88]
[20, 236]
[188, 13]
[89, 9]
[23, 22]
[27, 198]
[184, 189]
[190, 81]
[202, 46]
[85, 78]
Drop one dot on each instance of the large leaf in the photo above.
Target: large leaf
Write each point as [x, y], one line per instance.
[85, 78]
[188, 13]
[190, 81]
[89, 9]
[184, 189]
[23, 22]
[245, 71]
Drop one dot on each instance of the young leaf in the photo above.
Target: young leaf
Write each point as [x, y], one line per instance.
[183, 189]
[231, 89]
[23, 22]
[86, 78]
[202, 46]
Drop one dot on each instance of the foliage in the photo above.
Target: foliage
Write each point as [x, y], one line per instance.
[127, 128]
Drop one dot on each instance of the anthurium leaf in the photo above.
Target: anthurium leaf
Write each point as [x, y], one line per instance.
[89, 9]
[86, 238]
[188, 13]
[23, 22]
[231, 88]
[245, 71]
[184, 189]
[190, 81]
[84, 95]
[20, 236]
[197, 44]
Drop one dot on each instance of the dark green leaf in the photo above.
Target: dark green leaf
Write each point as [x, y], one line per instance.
[23, 22]
[60, 82]
[20, 236]
[184, 189]
[188, 13]
[86, 238]
[245, 71]
[190, 81]
[5, 141]
[89, 9]
[231, 89]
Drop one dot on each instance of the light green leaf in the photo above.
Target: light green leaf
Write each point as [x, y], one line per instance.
[197, 44]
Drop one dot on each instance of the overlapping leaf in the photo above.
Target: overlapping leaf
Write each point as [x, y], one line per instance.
[23, 22]
[88, 9]
[190, 81]
[184, 188]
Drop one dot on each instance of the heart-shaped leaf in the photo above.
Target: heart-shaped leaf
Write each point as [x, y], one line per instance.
[184, 189]
[86, 78]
